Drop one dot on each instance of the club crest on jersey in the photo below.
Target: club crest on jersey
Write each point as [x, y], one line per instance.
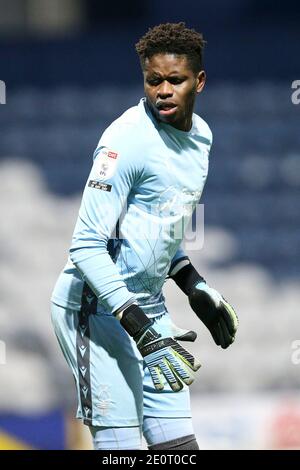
[105, 164]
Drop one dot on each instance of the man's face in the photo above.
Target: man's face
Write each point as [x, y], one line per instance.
[171, 87]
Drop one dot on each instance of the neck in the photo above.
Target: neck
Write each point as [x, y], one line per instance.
[185, 126]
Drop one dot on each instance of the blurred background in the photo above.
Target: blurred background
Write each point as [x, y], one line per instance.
[70, 68]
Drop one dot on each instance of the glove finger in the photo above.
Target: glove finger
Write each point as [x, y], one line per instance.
[180, 369]
[187, 336]
[185, 357]
[156, 377]
[166, 368]
[221, 336]
[215, 334]
[230, 317]
[228, 339]
[182, 334]
[188, 380]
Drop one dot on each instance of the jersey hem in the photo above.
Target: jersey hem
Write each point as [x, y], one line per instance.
[111, 423]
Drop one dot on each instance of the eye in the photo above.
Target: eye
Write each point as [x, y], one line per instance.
[153, 81]
[176, 80]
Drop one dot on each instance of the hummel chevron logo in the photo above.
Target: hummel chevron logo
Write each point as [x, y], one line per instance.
[86, 411]
[83, 370]
[82, 350]
[90, 298]
[85, 391]
[83, 329]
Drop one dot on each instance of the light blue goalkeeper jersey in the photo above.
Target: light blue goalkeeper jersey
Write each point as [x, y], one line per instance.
[145, 182]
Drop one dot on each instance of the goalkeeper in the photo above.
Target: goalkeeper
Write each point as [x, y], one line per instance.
[108, 310]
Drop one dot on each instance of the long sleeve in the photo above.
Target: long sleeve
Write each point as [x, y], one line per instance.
[180, 259]
[112, 177]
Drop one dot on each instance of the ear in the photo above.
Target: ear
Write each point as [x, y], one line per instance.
[201, 78]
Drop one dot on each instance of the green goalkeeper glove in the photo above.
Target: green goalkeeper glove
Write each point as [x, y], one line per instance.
[216, 314]
[165, 358]
[210, 307]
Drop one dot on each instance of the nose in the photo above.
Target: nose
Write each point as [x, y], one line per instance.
[165, 90]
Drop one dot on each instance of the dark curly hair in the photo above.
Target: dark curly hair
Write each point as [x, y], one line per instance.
[172, 38]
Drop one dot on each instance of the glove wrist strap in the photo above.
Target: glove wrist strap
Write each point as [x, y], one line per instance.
[187, 278]
[134, 321]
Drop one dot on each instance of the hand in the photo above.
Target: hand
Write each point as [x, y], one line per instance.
[216, 314]
[166, 358]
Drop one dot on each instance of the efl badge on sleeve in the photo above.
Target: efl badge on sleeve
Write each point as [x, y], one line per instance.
[105, 164]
